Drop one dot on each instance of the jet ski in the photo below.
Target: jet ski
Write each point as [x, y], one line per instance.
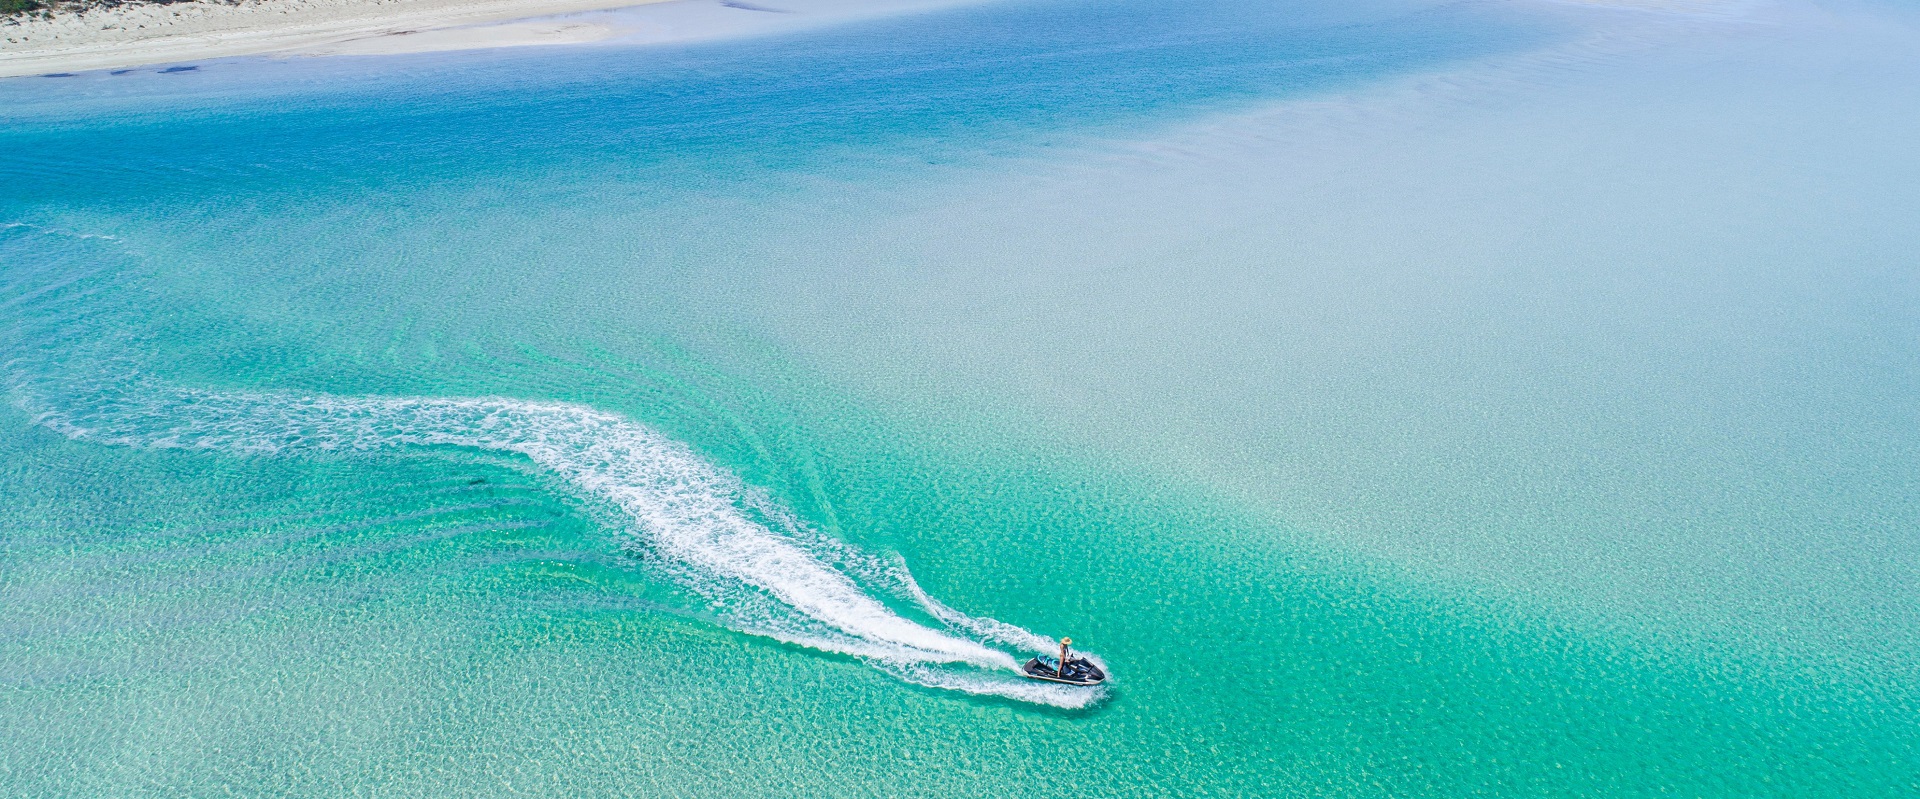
[1079, 671]
[1075, 671]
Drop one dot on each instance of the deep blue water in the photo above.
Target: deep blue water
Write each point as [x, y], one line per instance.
[940, 86]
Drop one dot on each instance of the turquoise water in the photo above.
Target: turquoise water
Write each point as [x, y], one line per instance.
[1400, 400]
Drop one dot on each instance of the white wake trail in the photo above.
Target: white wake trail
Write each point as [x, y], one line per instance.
[685, 510]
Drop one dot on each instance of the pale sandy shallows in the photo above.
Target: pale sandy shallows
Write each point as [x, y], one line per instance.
[158, 34]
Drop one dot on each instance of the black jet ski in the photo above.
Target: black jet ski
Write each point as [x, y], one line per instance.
[1079, 671]
[1068, 669]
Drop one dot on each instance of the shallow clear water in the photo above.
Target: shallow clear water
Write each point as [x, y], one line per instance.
[1401, 400]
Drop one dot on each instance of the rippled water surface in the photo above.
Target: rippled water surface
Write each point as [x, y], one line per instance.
[1398, 399]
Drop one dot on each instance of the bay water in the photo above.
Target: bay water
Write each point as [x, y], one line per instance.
[1400, 399]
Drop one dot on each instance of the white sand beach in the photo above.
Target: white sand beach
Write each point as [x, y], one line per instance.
[155, 34]
[139, 35]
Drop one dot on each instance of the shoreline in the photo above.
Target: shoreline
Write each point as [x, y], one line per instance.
[155, 35]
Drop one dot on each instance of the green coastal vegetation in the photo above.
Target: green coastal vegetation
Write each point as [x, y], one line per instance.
[12, 10]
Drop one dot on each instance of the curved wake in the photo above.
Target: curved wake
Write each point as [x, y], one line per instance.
[769, 574]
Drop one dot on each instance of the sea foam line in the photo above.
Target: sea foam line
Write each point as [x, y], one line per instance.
[698, 517]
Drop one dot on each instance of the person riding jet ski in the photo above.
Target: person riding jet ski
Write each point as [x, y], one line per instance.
[1069, 670]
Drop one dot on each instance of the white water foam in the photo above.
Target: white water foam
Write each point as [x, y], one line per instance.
[713, 530]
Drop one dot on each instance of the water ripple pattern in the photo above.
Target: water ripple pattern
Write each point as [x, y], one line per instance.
[764, 570]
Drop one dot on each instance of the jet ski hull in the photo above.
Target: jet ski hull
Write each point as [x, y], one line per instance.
[1079, 672]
